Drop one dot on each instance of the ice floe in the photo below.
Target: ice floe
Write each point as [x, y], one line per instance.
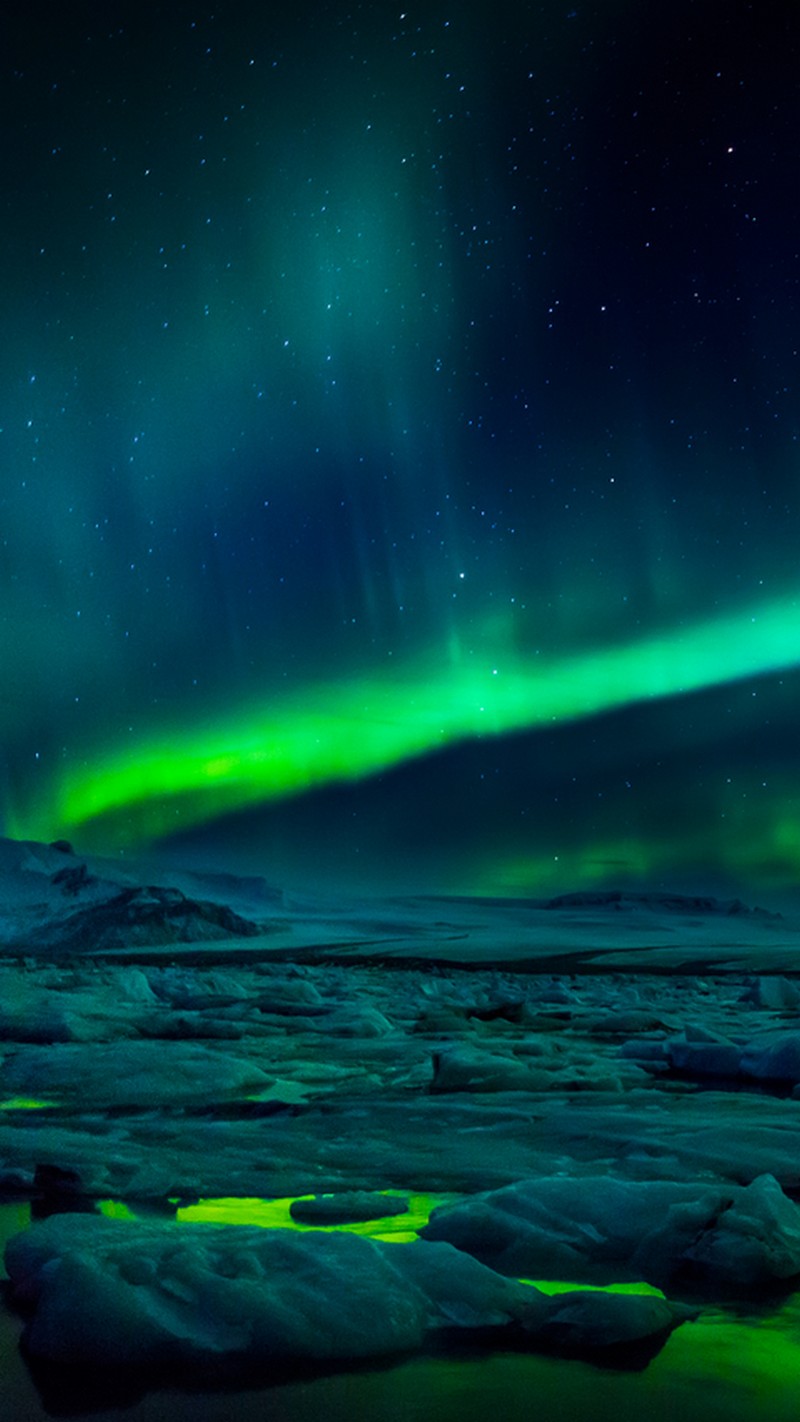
[111, 1293]
[594, 1227]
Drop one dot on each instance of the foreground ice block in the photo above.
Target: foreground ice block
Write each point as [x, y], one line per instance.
[119, 1293]
[598, 1228]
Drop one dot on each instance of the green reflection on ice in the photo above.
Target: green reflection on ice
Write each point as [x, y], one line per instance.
[559, 1286]
[723, 1367]
[25, 1103]
[115, 1210]
[274, 1214]
[14, 1217]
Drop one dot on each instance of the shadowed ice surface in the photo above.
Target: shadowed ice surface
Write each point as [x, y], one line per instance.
[597, 1090]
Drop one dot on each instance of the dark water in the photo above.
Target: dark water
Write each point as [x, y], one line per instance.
[720, 1369]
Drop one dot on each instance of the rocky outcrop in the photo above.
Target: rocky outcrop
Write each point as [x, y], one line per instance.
[144, 917]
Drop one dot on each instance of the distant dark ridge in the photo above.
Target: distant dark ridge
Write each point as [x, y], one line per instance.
[623, 899]
[253, 886]
[143, 918]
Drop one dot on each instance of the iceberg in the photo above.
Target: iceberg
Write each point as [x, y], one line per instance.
[603, 1229]
[107, 1292]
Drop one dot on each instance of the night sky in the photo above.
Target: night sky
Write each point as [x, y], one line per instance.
[400, 434]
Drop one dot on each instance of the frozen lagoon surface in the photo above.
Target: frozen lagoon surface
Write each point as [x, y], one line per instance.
[603, 1092]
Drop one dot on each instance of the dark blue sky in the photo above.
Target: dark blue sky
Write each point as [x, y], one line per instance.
[399, 453]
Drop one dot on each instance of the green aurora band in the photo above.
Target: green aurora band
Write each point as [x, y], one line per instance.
[350, 730]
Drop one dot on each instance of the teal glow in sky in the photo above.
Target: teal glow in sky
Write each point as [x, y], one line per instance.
[399, 441]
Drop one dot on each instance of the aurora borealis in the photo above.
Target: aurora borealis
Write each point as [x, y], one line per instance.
[399, 451]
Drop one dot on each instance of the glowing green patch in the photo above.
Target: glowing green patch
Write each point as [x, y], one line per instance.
[752, 1367]
[115, 1210]
[552, 1286]
[15, 1216]
[590, 865]
[25, 1103]
[269, 1214]
[274, 1214]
